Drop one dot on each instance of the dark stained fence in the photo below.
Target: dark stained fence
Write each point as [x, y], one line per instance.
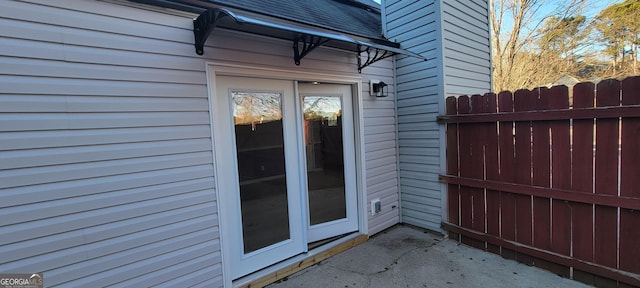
[534, 179]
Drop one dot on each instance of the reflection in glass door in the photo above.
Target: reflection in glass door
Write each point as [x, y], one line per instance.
[285, 168]
[257, 172]
[325, 158]
[257, 117]
[329, 143]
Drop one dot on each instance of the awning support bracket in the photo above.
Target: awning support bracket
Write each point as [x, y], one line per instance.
[377, 56]
[309, 42]
[204, 24]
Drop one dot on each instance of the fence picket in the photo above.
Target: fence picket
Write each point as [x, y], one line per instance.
[560, 240]
[606, 176]
[582, 179]
[478, 135]
[507, 168]
[630, 154]
[523, 100]
[541, 173]
[629, 180]
[453, 191]
[465, 139]
[492, 172]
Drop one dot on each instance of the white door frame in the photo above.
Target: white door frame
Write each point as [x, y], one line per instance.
[215, 68]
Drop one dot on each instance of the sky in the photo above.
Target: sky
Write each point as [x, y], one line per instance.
[592, 9]
[598, 5]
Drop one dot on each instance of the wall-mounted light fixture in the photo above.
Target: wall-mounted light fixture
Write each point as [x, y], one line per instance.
[377, 88]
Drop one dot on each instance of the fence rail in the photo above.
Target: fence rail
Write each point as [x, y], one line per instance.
[533, 178]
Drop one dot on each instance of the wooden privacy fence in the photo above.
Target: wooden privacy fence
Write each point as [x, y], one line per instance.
[557, 186]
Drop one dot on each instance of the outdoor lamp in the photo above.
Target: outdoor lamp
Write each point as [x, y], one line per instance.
[377, 88]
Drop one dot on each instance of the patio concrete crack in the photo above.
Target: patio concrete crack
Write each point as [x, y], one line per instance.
[393, 263]
[403, 255]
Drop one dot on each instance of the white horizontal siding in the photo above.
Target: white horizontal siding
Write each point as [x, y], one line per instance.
[105, 146]
[105, 157]
[381, 152]
[416, 25]
[467, 50]
[454, 35]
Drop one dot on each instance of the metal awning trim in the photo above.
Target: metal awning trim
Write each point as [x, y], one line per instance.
[309, 42]
[304, 39]
[378, 55]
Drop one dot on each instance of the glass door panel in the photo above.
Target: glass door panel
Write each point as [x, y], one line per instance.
[257, 172]
[285, 168]
[259, 142]
[325, 160]
[329, 143]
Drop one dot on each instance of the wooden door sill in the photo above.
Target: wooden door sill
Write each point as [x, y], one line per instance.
[288, 267]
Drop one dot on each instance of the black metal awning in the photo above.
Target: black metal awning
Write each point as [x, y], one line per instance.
[304, 39]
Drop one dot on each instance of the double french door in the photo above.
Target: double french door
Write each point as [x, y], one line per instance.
[285, 165]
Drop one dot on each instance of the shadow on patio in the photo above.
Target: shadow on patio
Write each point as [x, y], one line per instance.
[404, 256]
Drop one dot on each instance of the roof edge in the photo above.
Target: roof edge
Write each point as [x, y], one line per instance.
[198, 6]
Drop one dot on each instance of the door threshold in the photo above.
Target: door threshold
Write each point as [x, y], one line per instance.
[292, 265]
[316, 244]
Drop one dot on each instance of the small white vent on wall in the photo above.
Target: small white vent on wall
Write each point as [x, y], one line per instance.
[376, 206]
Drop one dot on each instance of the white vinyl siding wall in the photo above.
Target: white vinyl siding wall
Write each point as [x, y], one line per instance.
[106, 170]
[434, 30]
[381, 152]
[467, 47]
[105, 148]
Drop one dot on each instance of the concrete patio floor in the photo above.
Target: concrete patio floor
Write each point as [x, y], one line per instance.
[404, 256]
